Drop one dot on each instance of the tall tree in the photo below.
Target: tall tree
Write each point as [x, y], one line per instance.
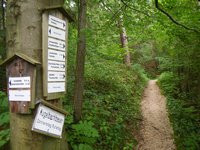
[24, 28]
[80, 60]
[124, 42]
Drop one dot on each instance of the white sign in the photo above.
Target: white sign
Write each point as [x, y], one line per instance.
[19, 95]
[19, 82]
[56, 66]
[56, 33]
[48, 121]
[55, 87]
[56, 44]
[57, 22]
[56, 76]
[56, 55]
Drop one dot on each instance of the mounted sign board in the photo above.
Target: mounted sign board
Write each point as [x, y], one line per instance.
[56, 87]
[56, 33]
[56, 55]
[56, 66]
[19, 82]
[56, 76]
[57, 22]
[48, 121]
[56, 44]
[19, 89]
[20, 95]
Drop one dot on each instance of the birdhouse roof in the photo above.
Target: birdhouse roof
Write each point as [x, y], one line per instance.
[25, 57]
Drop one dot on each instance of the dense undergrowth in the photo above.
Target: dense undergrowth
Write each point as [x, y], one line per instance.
[184, 117]
[4, 120]
[111, 107]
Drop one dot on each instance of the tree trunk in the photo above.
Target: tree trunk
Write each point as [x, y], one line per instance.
[124, 42]
[80, 61]
[24, 28]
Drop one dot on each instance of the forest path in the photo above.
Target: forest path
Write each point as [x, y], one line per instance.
[156, 132]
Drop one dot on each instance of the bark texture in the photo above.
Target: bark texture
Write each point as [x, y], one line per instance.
[24, 35]
[80, 61]
[124, 42]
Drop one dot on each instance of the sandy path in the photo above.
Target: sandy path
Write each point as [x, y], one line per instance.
[156, 132]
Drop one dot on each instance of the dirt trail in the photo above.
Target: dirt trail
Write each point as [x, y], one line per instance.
[156, 132]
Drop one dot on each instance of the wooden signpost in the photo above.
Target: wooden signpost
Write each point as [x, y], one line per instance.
[36, 72]
[55, 30]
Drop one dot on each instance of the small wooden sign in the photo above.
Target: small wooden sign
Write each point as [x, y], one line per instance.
[56, 76]
[48, 121]
[56, 55]
[56, 87]
[56, 33]
[19, 82]
[19, 95]
[56, 44]
[57, 22]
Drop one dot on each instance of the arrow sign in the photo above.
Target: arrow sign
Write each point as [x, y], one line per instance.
[56, 33]
[56, 76]
[64, 25]
[56, 55]
[57, 22]
[56, 44]
[19, 82]
[56, 66]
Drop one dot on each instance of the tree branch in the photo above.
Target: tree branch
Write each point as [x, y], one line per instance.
[172, 19]
[139, 11]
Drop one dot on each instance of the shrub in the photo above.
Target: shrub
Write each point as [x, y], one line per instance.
[4, 117]
[184, 118]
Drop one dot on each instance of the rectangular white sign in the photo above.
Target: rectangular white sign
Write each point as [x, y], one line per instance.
[19, 95]
[55, 87]
[56, 44]
[19, 82]
[56, 66]
[48, 121]
[56, 76]
[57, 22]
[56, 33]
[56, 55]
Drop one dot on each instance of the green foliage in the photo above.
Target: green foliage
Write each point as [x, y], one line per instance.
[4, 117]
[169, 82]
[112, 101]
[83, 135]
[4, 137]
[185, 118]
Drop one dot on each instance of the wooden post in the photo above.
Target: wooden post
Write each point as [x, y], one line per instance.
[24, 35]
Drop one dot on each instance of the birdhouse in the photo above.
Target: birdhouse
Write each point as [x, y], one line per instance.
[21, 82]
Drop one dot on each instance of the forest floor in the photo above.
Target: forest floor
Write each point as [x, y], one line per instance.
[155, 132]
